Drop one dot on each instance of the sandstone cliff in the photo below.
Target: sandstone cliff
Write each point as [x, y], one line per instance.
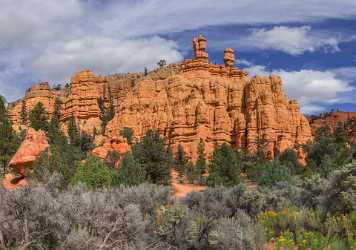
[332, 120]
[185, 102]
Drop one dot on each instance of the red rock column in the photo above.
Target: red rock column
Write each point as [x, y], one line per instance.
[229, 57]
[199, 48]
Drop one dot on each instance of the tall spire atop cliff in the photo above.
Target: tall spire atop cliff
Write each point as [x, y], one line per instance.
[199, 48]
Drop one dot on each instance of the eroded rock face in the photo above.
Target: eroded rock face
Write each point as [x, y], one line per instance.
[118, 145]
[33, 145]
[332, 120]
[40, 92]
[189, 101]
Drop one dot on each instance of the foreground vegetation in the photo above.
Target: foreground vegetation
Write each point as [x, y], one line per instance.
[77, 201]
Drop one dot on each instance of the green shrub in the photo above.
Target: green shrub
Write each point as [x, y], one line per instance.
[94, 174]
[340, 195]
[273, 173]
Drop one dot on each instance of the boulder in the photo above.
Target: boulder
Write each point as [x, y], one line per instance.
[33, 145]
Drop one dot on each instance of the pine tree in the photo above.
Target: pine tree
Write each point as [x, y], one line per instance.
[73, 132]
[200, 165]
[152, 154]
[55, 133]
[24, 114]
[131, 171]
[224, 167]
[39, 118]
[8, 138]
[181, 162]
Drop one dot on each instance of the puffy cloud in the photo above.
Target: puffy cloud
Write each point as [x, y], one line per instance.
[59, 37]
[28, 22]
[312, 88]
[291, 40]
[103, 55]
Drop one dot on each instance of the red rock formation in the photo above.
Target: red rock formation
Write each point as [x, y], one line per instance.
[189, 101]
[332, 120]
[81, 103]
[229, 57]
[199, 48]
[34, 143]
[40, 92]
[118, 145]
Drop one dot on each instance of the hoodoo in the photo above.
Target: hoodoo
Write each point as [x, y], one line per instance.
[187, 101]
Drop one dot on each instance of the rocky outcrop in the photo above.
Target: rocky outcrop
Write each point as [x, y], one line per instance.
[189, 101]
[40, 92]
[118, 145]
[332, 119]
[34, 144]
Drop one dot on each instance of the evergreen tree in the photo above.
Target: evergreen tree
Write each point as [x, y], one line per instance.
[39, 118]
[200, 165]
[181, 162]
[328, 151]
[24, 114]
[152, 154]
[86, 142]
[128, 134]
[162, 63]
[131, 171]
[73, 132]
[9, 141]
[224, 167]
[55, 133]
[340, 134]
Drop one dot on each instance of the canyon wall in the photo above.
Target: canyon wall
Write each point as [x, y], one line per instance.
[185, 102]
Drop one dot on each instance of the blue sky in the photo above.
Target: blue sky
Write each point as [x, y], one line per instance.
[310, 44]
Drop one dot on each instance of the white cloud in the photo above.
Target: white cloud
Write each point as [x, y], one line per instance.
[123, 33]
[29, 21]
[104, 55]
[291, 40]
[159, 16]
[312, 88]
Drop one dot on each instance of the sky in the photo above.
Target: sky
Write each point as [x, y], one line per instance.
[311, 44]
